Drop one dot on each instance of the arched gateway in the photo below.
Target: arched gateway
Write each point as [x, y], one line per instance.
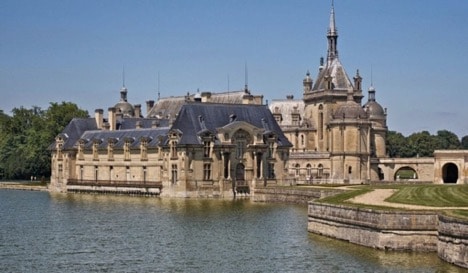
[450, 173]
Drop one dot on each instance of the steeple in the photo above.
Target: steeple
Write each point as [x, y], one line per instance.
[332, 36]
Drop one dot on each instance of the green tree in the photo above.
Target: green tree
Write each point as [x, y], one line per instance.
[422, 144]
[464, 142]
[27, 134]
[447, 140]
[396, 144]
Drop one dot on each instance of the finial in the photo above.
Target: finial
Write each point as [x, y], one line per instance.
[159, 91]
[123, 76]
[246, 78]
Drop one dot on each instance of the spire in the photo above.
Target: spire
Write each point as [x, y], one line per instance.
[123, 90]
[246, 87]
[332, 36]
[371, 88]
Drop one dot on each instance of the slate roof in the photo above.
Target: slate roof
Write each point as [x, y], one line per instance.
[154, 136]
[170, 106]
[194, 118]
[340, 79]
[86, 128]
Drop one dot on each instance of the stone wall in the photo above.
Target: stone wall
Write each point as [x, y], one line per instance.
[453, 241]
[291, 195]
[395, 230]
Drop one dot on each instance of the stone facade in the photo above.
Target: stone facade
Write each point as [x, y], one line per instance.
[335, 137]
[205, 149]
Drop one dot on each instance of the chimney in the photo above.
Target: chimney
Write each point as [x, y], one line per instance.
[206, 96]
[155, 124]
[139, 124]
[112, 118]
[137, 110]
[98, 115]
[149, 105]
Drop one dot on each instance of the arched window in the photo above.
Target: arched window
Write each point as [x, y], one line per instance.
[320, 171]
[309, 170]
[297, 169]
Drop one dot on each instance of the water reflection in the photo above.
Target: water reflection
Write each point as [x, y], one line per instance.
[98, 233]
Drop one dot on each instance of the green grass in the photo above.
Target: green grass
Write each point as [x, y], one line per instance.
[432, 195]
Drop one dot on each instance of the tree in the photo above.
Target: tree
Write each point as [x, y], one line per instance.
[464, 142]
[26, 135]
[422, 144]
[396, 144]
[447, 140]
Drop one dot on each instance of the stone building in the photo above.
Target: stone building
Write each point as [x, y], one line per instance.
[187, 147]
[336, 139]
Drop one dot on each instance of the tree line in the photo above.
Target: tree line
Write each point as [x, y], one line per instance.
[423, 143]
[26, 136]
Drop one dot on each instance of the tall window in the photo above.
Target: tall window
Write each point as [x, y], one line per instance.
[174, 174]
[60, 171]
[271, 149]
[144, 173]
[127, 172]
[271, 170]
[206, 148]
[96, 173]
[81, 172]
[226, 165]
[127, 150]
[173, 149]
[80, 150]
[296, 118]
[95, 150]
[320, 170]
[110, 150]
[309, 170]
[207, 171]
[241, 139]
[297, 169]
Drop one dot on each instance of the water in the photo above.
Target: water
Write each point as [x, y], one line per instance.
[42, 232]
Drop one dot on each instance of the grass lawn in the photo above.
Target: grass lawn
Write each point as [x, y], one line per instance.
[432, 195]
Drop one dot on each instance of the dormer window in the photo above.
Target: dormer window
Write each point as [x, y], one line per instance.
[127, 150]
[110, 150]
[206, 148]
[144, 149]
[96, 149]
[173, 146]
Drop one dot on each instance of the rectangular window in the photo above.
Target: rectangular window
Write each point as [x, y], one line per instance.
[271, 171]
[206, 148]
[207, 171]
[60, 171]
[174, 174]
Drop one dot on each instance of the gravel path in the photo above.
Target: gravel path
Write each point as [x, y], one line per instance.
[377, 197]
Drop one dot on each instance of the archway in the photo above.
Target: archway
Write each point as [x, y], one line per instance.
[450, 173]
[405, 173]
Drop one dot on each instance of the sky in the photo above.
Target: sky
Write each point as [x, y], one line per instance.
[415, 52]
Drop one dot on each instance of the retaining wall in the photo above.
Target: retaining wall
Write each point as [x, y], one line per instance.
[453, 241]
[291, 195]
[395, 230]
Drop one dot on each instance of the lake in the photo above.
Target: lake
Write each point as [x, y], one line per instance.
[42, 232]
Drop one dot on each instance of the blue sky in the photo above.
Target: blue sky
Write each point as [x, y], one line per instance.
[53, 51]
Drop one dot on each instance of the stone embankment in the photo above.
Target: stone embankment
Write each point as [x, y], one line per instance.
[293, 194]
[19, 186]
[409, 228]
